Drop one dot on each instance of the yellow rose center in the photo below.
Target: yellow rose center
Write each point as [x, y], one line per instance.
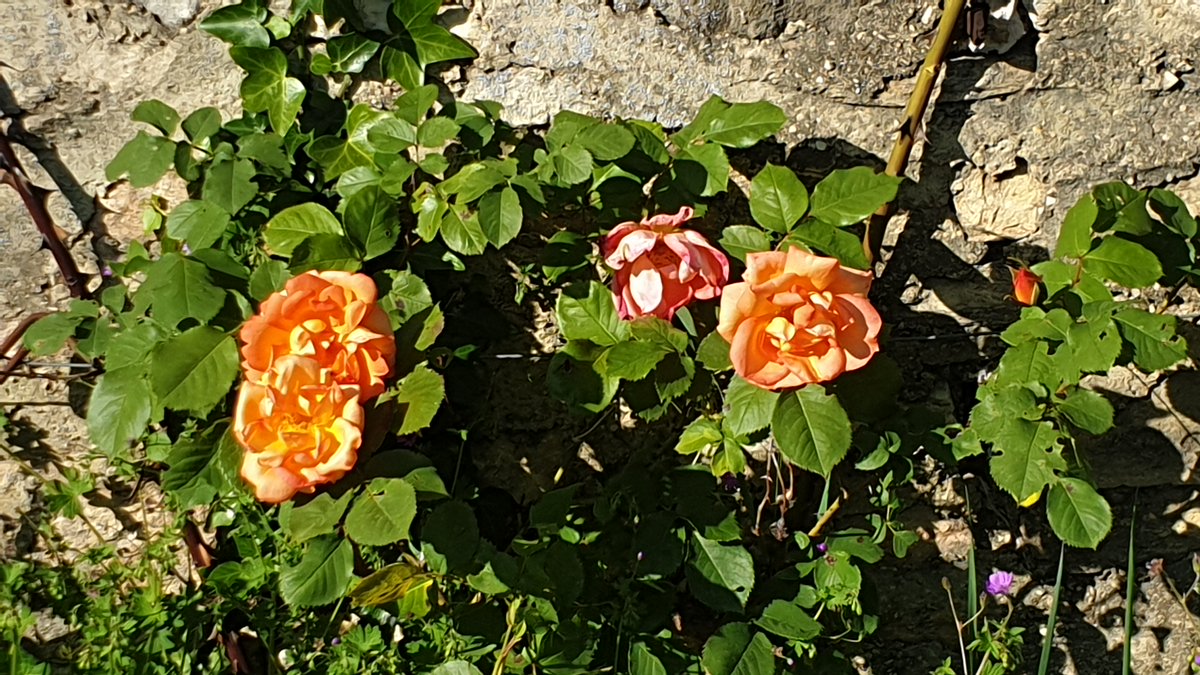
[781, 331]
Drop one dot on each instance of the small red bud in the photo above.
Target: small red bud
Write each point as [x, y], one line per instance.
[1025, 286]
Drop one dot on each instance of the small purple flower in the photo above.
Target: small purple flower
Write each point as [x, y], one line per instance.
[822, 547]
[999, 584]
[335, 641]
[106, 272]
[187, 250]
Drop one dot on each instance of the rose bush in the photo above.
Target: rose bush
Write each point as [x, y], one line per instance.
[661, 267]
[798, 319]
[330, 317]
[299, 428]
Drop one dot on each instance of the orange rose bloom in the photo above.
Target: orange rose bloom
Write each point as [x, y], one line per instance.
[798, 319]
[328, 316]
[299, 429]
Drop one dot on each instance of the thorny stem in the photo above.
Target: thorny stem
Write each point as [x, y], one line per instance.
[12, 174]
[13, 338]
[913, 114]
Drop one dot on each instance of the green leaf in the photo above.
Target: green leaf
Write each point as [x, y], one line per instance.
[630, 360]
[415, 103]
[456, 668]
[849, 196]
[1075, 236]
[741, 125]
[1078, 514]
[392, 135]
[832, 241]
[48, 334]
[178, 288]
[463, 234]
[572, 379]
[1091, 347]
[1173, 212]
[1122, 208]
[289, 227]
[453, 533]
[720, 576]
[267, 87]
[349, 53]
[588, 313]
[642, 662]
[811, 429]
[712, 161]
[1124, 262]
[203, 123]
[572, 164]
[325, 252]
[372, 221]
[1087, 410]
[322, 575]
[158, 115]
[118, 411]
[435, 131]
[402, 68]
[733, 650]
[382, 514]
[789, 621]
[202, 466]
[267, 278]
[199, 223]
[1155, 344]
[748, 407]
[708, 112]
[144, 159]
[1025, 458]
[229, 184]
[738, 240]
[266, 149]
[713, 352]
[420, 393]
[699, 436]
[436, 44]
[606, 142]
[1028, 362]
[318, 517]
[239, 25]
[194, 370]
[128, 350]
[778, 199]
[339, 154]
[500, 216]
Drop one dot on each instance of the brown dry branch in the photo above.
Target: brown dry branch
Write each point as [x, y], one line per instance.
[913, 114]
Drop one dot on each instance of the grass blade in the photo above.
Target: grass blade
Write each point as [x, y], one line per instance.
[1052, 621]
[1130, 597]
[972, 604]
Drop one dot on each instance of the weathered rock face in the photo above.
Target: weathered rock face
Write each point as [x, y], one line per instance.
[1092, 92]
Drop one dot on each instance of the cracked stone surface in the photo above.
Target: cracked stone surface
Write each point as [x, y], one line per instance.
[1099, 91]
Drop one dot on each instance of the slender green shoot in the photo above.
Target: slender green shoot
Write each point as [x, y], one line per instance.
[1130, 597]
[1052, 621]
[972, 585]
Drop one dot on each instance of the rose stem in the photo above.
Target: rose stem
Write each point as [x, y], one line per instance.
[913, 114]
[13, 175]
